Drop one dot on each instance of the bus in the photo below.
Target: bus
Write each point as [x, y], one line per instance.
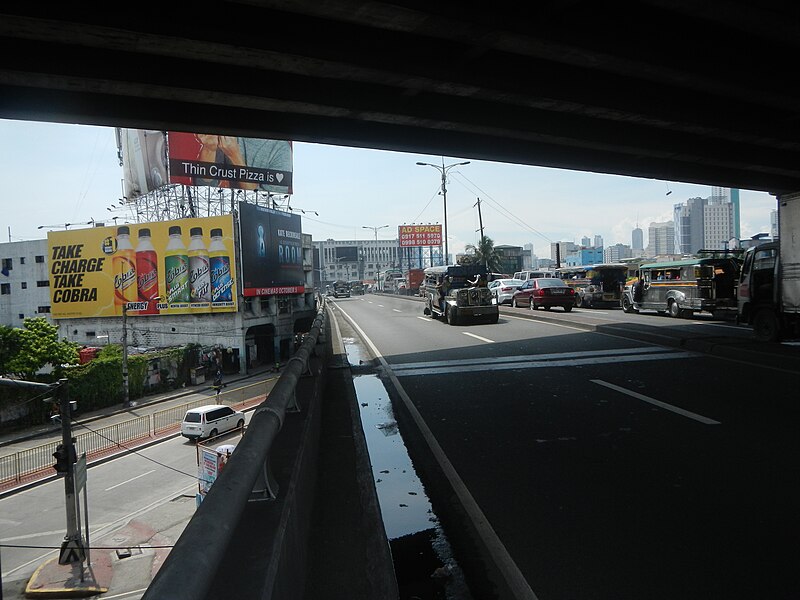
[595, 285]
[684, 287]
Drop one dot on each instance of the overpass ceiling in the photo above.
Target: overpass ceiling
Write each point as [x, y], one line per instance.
[671, 89]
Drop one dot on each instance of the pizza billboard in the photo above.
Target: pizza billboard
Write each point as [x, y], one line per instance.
[413, 236]
[184, 266]
[230, 161]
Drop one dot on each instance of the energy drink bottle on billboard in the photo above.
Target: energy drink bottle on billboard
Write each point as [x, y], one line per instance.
[147, 272]
[124, 267]
[221, 280]
[176, 265]
[199, 268]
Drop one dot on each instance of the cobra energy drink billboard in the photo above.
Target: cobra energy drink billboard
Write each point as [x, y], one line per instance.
[272, 251]
[171, 267]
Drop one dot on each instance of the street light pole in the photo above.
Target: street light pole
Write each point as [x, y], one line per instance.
[377, 254]
[443, 170]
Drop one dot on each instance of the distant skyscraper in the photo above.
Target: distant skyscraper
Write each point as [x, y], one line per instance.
[616, 253]
[661, 238]
[717, 223]
[598, 241]
[637, 240]
[689, 225]
[564, 249]
[773, 224]
[586, 242]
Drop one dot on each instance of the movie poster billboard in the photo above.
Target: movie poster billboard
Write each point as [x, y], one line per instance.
[230, 161]
[412, 236]
[184, 266]
[144, 160]
[272, 251]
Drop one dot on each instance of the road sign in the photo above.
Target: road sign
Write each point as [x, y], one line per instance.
[80, 473]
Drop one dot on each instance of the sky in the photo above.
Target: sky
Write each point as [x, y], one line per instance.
[56, 174]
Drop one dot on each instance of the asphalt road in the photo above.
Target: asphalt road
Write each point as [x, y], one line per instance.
[606, 466]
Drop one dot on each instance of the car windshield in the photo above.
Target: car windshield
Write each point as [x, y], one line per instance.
[550, 282]
[192, 417]
[516, 282]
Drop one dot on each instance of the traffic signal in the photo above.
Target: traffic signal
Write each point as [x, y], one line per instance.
[61, 459]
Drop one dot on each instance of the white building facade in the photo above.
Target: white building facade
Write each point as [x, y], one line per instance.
[24, 282]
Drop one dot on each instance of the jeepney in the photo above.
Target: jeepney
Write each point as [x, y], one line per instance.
[462, 302]
[595, 285]
[684, 287]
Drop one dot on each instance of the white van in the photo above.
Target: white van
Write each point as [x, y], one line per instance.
[525, 275]
[209, 421]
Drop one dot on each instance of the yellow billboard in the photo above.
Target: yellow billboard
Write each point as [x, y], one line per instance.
[185, 266]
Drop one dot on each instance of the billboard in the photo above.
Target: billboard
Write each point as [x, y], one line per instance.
[412, 236]
[144, 160]
[230, 161]
[272, 251]
[347, 253]
[171, 267]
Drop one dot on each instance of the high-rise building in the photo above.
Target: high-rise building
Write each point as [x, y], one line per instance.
[661, 238]
[637, 240]
[689, 225]
[718, 225]
[564, 248]
[773, 224]
[616, 253]
[585, 241]
[598, 241]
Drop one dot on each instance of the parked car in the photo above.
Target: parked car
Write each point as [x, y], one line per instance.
[503, 289]
[545, 292]
[210, 421]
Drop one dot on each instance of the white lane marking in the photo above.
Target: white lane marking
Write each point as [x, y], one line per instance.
[537, 322]
[654, 402]
[128, 480]
[529, 364]
[520, 588]
[395, 310]
[594, 312]
[426, 319]
[477, 337]
[531, 357]
[370, 301]
[381, 305]
[131, 594]
[34, 534]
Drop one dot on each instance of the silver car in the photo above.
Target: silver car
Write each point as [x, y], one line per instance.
[503, 289]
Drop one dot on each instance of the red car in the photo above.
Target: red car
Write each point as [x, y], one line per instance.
[546, 292]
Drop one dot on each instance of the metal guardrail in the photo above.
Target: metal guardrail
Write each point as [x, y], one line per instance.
[25, 463]
[191, 566]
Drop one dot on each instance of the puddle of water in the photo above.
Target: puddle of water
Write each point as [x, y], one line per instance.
[423, 559]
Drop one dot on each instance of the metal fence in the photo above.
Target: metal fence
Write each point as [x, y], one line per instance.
[26, 463]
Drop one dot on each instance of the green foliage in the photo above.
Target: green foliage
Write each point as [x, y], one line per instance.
[9, 346]
[482, 254]
[39, 346]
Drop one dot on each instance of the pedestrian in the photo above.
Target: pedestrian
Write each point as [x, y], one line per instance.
[217, 381]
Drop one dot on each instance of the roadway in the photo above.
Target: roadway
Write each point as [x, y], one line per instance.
[606, 466]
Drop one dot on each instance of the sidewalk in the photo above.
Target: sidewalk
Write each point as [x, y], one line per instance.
[148, 536]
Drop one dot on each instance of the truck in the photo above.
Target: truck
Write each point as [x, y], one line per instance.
[768, 297]
[414, 279]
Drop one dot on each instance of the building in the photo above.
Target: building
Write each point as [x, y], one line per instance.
[585, 241]
[584, 256]
[363, 260]
[689, 219]
[637, 241]
[511, 258]
[773, 224]
[616, 253]
[560, 250]
[24, 282]
[719, 226]
[661, 237]
[598, 241]
[260, 330]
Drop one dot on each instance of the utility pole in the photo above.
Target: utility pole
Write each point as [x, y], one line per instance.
[72, 548]
[443, 170]
[480, 222]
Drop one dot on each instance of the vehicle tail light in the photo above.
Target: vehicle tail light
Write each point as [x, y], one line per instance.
[505, 289]
[538, 292]
[571, 291]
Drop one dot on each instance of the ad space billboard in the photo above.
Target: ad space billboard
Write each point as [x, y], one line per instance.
[173, 267]
[272, 251]
[230, 161]
[412, 236]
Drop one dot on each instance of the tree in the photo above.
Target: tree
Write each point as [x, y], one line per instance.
[483, 254]
[39, 346]
[9, 346]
